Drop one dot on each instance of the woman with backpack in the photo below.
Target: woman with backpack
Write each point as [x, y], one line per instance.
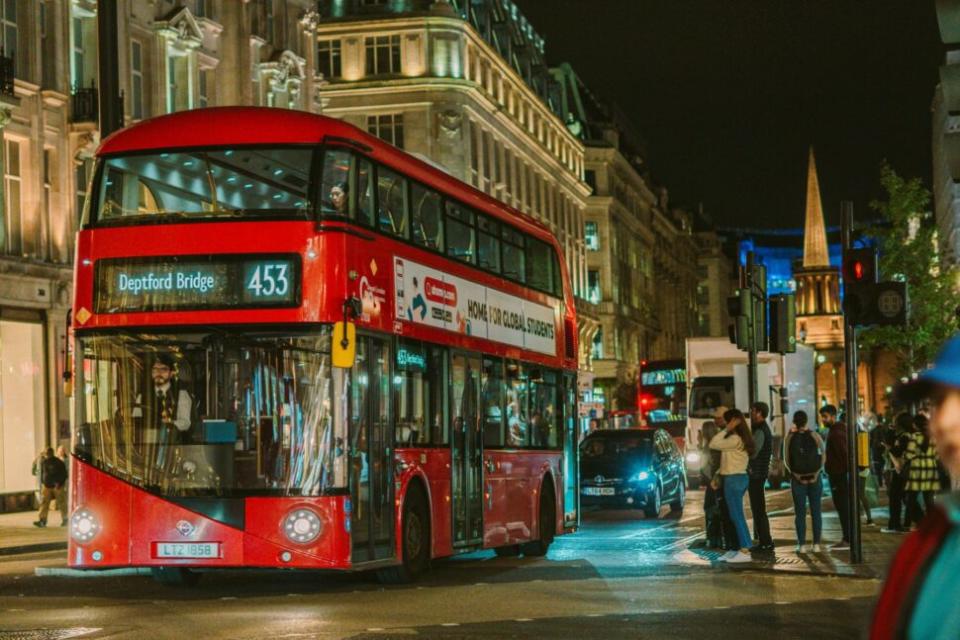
[804, 459]
[923, 477]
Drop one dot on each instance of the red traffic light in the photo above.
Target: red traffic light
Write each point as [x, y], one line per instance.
[858, 270]
[860, 265]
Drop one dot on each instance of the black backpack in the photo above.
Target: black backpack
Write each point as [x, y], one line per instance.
[804, 456]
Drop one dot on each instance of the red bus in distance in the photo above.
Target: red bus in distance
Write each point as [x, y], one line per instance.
[217, 250]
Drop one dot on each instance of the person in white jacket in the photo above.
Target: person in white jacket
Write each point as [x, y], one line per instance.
[735, 444]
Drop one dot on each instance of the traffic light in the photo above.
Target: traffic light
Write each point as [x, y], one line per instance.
[740, 308]
[859, 277]
[783, 323]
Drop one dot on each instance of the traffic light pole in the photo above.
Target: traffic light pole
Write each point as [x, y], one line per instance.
[752, 330]
[850, 363]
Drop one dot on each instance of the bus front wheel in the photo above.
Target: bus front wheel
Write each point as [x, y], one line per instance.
[175, 576]
[415, 528]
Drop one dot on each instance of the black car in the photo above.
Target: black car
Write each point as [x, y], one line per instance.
[633, 468]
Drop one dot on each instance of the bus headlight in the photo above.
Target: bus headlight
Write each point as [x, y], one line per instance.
[301, 526]
[693, 457]
[83, 525]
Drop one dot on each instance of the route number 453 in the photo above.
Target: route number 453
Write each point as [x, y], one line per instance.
[269, 280]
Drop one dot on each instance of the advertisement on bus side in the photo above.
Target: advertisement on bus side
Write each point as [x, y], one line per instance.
[431, 297]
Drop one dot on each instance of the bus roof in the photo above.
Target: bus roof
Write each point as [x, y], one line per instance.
[239, 126]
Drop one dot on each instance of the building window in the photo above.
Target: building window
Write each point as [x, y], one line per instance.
[82, 178]
[388, 127]
[136, 79]
[590, 177]
[202, 97]
[8, 20]
[328, 58]
[202, 9]
[47, 45]
[47, 185]
[596, 348]
[383, 55]
[11, 179]
[590, 236]
[593, 286]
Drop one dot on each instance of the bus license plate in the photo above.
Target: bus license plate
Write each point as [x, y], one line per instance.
[188, 549]
[598, 491]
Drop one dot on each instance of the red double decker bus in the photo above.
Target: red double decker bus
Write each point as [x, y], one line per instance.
[298, 346]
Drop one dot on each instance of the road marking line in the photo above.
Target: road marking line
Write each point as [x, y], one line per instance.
[523, 619]
[375, 629]
[781, 602]
[594, 615]
[721, 607]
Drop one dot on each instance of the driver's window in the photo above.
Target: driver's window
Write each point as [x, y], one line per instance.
[391, 202]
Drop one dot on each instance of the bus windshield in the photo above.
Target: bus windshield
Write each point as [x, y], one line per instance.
[216, 413]
[198, 183]
[663, 394]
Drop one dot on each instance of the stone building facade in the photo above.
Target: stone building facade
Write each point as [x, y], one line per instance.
[463, 85]
[716, 279]
[640, 252]
[173, 55]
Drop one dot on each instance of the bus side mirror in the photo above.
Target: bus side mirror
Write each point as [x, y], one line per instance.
[344, 348]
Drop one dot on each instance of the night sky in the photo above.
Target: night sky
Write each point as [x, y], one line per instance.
[729, 94]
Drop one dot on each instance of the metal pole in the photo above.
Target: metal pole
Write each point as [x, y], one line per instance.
[111, 108]
[850, 362]
[752, 332]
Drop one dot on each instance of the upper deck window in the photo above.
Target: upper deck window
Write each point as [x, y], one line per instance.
[213, 183]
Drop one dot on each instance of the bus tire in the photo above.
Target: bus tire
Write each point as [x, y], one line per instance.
[507, 551]
[415, 528]
[548, 523]
[175, 576]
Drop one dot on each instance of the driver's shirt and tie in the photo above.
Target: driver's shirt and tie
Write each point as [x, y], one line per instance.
[166, 413]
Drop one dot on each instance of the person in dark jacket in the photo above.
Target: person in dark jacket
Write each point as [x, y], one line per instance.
[919, 595]
[836, 467]
[896, 446]
[806, 485]
[53, 478]
[758, 469]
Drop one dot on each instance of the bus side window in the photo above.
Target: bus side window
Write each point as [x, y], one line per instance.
[515, 408]
[491, 398]
[365, 196]
[427, 217]
[460, 233]
[488, 244]
[540, 265]
[335, 183]
[391, 202]
[513, 258]
[438, 384]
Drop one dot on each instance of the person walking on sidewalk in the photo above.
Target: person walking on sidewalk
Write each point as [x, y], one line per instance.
[735, 443]
[923, 478]
[53, 478]
[731, 540]
[864, 474]
[758, 469]
[920, 593]
[895, 446]
[805, 454]
[837, 467]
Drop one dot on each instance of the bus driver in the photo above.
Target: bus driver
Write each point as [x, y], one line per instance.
[168, 406]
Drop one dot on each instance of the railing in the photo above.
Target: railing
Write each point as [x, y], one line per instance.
[84, 104]
[7, 73]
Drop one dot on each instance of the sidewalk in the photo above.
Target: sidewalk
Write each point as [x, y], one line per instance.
[18, 535]
[878, 548]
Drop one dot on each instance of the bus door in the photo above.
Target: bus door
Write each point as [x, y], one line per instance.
[571, 452]
[371, 452]
[466, 450]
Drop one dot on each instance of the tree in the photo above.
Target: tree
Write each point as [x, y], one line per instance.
[908, 251]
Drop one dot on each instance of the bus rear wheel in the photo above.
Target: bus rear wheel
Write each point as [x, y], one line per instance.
[415, 528]
[548, 524]
[175, 576]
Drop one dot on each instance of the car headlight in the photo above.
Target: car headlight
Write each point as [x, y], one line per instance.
[83, 525]
[643, 475]
[301, 526]
[693, 457]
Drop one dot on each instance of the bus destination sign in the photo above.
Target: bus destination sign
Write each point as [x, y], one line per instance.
[182, 283]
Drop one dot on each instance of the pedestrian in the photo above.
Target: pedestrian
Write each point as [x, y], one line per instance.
[877, 452]
[923, 478]
[895, 446]
[735, 444]
[864, 473]
[731, 541]
[919, 597]
[53, 478]
[758, 469]
[805, 455]
[709, 467]
[837, 468]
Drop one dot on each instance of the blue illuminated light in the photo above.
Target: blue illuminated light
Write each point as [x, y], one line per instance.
[643, 475]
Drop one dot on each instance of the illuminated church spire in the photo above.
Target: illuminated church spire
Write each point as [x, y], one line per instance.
[815, 253]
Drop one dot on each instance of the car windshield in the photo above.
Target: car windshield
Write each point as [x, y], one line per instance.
[199, 183]
[710, 393]
[616, 446]
[213, 413]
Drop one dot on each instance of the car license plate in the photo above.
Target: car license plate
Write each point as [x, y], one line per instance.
[598, 491]
[188, 549]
